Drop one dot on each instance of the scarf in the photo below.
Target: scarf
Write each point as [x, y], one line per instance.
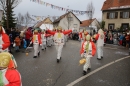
[87, 47]
[34, 38]
[59, 35]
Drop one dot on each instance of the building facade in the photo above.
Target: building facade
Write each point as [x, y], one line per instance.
[116, 14]
[68, 21]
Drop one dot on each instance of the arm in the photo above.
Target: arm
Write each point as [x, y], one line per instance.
[93, 49]
[97, 36]
[39, 38]
[13, 77]
[6, 41]
[82, 50]
[67, 32]
[51, 32]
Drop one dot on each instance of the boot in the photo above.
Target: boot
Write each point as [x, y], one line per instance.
[58, 60]
[84, 72]
[39, 53]
[35, 57]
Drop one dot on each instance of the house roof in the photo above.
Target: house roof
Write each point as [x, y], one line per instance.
[44, 22]
[86, 22]
[61, 17]
[115, 3]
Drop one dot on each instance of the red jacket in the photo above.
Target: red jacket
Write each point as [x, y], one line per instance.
[93, 48]
[13, 77]
[28, 34]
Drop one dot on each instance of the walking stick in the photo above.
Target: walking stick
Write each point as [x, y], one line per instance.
[27, 48]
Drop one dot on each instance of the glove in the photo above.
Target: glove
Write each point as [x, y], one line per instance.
[1, 46]
[31, 42]
[82, 55]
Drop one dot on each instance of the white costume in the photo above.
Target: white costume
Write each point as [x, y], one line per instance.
[36, 40]
[88, 50]
[59, 42]
[43, 38]
[100, 43]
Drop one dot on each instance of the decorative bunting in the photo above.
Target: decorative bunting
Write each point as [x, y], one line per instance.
[59, 8]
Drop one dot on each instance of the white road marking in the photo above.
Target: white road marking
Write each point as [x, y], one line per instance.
[96, 70]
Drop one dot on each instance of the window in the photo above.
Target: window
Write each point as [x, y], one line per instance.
[70, 18]
[112, 15]
[75, 25]
[125, 14]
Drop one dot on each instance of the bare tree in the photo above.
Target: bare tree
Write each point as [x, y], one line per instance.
[90, 13]
[7, 5]
[27, 19]
[20, 19]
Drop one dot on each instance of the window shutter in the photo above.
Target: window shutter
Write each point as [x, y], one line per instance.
[116, 15]
[129, 14]
[108, 15]
[121, 14]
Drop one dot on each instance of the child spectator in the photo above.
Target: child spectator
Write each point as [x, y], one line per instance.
[17, 41]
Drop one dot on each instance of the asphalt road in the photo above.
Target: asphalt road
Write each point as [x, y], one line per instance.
[45, 71]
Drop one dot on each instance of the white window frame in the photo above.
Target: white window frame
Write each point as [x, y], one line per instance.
[125, 14]
[112, 15]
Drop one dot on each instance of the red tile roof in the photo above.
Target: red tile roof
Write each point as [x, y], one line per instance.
[115, 3]
[86, 22]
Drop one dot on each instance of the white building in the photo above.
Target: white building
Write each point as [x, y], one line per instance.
[90, 25]
[68, 21]
[46, 23]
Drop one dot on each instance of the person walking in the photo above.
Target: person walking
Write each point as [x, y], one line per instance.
[59, 40]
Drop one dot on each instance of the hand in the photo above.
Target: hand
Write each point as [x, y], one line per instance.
[1, 46]
[40, 44]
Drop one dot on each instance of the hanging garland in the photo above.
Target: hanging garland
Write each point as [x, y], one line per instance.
[59, 8]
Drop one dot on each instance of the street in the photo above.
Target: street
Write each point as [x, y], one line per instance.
[112, 70]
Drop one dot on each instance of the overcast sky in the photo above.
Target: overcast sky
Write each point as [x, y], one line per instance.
[41, 10]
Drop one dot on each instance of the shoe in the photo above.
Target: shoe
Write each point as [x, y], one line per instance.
[84, 72]
[98, 59]
[101, 56]
[35, 57]
[42, 49]
[89, 68]
[58, 60]
[39, 53]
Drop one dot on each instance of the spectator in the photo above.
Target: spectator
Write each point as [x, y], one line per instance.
[28, 35]
[17, 42]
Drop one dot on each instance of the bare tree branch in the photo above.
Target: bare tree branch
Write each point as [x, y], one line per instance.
[91, 10]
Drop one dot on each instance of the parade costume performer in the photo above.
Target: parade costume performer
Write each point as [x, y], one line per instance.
[44, 39]
[4, 40]
[36, 40]
[9, 76]
[87, 51]
[59, 40]
[82, 36]
[100, 43]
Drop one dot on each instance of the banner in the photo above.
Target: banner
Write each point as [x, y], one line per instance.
[59, 8]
